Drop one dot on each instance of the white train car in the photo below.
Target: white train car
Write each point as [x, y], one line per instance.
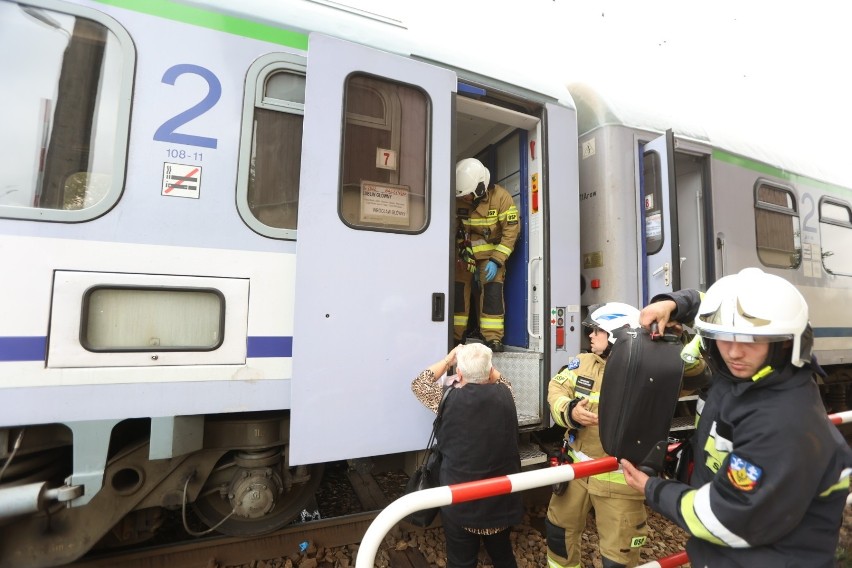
[685, 205]
[227, 232]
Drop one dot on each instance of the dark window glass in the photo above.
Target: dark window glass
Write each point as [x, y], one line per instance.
[385, 156]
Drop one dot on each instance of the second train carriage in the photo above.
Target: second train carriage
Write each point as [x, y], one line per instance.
[686, 207]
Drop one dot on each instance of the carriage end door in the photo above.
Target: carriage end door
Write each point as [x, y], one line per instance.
[659, 242]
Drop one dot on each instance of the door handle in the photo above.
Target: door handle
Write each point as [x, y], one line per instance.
[530, 314]
[666, 270]
[438, 306]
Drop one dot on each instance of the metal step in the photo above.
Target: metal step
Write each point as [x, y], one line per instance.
[531, 454]
[683, 423]
[522, 368]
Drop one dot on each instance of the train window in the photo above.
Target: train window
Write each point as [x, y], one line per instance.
[268, 179]
[138, 319]
[385, 147]
[67, 115]
[835, 228]
[777, 227]
[653, 202]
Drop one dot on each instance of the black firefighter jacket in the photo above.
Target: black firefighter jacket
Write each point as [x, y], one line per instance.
[770, 479]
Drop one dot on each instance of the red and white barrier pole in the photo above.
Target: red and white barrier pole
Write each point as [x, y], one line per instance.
[672, 561]
[841, 417]
[462, 492]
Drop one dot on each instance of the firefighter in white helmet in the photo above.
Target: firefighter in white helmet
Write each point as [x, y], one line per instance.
[487, 228]
[771, 472]
[573, 396]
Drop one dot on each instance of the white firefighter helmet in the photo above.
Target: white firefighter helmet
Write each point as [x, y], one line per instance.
[469, 174]
[755, 307]
[611, 316]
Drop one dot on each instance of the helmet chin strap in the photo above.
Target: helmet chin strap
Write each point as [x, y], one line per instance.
[779, 354]
[479, 194]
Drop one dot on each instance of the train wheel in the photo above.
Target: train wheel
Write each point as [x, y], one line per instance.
[256, 492]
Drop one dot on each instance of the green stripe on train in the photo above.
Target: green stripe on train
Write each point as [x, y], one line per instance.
[208, 19]
[760, 167]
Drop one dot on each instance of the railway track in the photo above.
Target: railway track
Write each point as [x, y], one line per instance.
[294, 540]
[216, 552]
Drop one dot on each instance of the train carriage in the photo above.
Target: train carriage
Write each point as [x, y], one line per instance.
[694, 204]
[228, 233]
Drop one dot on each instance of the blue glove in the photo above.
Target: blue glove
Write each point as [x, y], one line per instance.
[490, 270]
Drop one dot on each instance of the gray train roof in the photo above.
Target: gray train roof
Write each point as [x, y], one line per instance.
[655, 112]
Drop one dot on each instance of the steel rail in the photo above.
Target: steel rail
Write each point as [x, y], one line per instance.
[222, 551]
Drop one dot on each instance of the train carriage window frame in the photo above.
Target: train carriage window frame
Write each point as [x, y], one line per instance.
[69, 166]
[777, 225]
[384, 161]
[654, 216]
[835, 230]
[269, 170]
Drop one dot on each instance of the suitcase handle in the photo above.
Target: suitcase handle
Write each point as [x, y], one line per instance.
[654, 462]
[656, 335]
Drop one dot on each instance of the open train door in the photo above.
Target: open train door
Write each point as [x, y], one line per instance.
[659, 245]
[373, 263]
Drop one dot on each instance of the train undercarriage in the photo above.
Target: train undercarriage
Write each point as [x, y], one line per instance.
[230, 474]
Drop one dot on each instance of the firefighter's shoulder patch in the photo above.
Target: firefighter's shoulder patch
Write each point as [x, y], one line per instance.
[512, 217]
[743, 475]
[573, 363]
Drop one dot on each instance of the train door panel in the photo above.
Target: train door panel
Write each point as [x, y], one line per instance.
[659, 242]
[373, 273]
[555, 256]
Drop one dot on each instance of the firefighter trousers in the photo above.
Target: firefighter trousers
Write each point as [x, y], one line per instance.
[491, 307]
[621, 525]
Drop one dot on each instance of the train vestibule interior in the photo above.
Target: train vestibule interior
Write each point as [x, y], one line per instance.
[499, 134]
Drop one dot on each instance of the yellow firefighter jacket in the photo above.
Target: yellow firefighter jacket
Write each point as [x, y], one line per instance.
[582, 378]
[492, 226]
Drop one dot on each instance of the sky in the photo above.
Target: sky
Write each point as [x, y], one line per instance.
[777, 73]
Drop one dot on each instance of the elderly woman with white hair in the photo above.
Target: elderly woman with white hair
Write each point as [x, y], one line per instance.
[478, 437]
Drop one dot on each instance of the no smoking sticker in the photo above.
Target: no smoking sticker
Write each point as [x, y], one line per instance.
[181, 180]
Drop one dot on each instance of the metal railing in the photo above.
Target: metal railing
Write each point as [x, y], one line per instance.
[462, 492]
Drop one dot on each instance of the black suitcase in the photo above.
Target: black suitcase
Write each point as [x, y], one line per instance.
[641, 386]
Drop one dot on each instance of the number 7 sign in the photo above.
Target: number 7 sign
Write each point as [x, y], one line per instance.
[385, 159]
